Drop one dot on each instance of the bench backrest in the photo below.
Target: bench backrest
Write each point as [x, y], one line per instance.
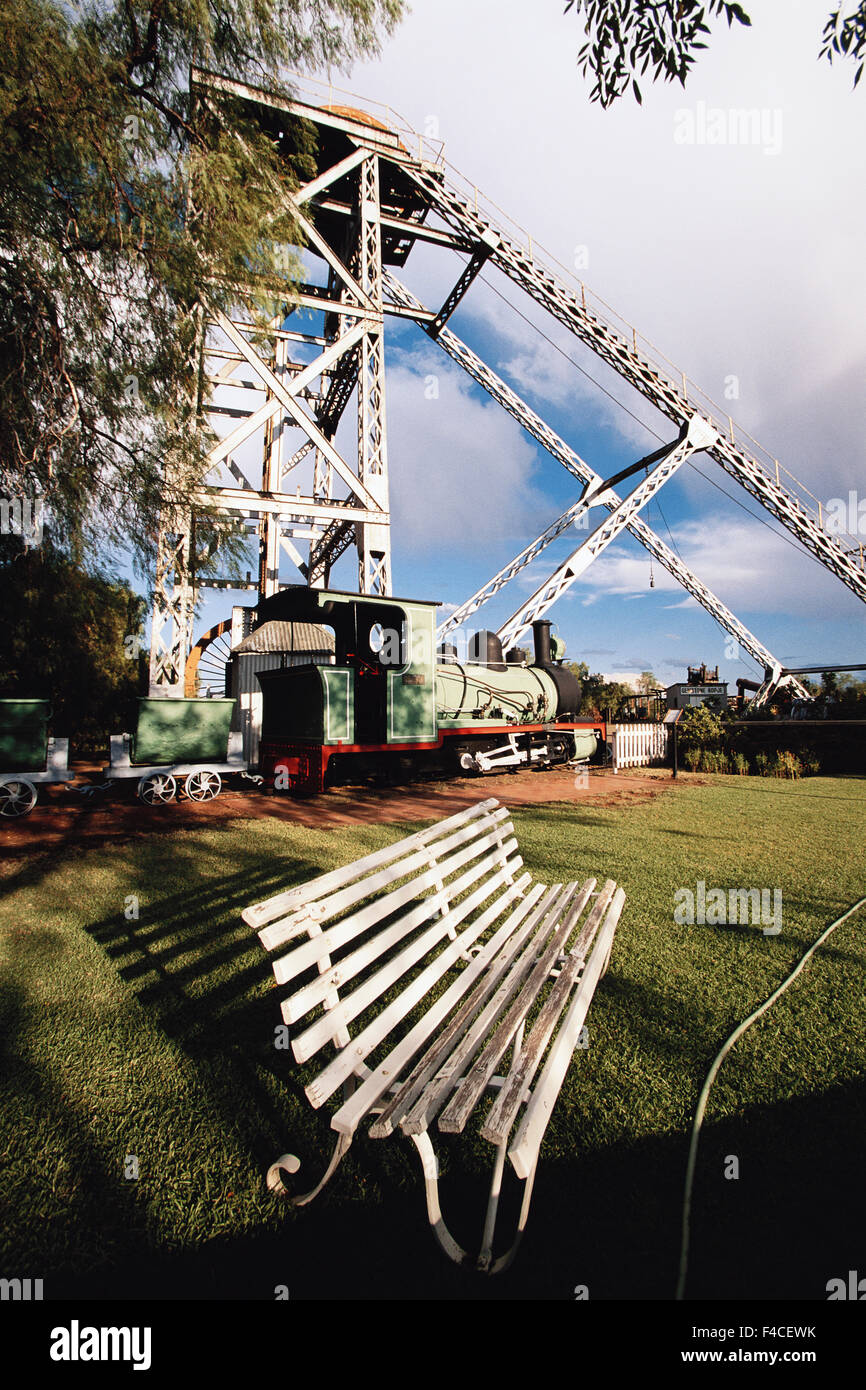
[386, 930]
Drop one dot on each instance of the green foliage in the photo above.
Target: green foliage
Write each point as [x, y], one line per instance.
[74, 637]
[624, 39]
[786, 764]
[646, 683]
[121, 202]
[712, 760]
[699, 727]
[845, 34]
[599, 695]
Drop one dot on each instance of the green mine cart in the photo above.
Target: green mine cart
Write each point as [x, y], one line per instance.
[177, 739]
[28, 757]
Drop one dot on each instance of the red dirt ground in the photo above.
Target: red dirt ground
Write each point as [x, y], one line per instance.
[65, 818]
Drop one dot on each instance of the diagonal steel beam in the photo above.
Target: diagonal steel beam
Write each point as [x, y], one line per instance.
[698, 435]
[652, 381]
[557, 447]
[293, 387]
[298, 415]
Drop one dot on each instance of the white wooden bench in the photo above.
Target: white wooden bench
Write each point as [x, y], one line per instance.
[439, 954]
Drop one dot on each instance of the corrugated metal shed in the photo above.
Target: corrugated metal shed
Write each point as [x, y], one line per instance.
[287, 637]
[270, 647]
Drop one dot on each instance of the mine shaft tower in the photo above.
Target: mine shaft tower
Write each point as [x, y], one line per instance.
[279, 470]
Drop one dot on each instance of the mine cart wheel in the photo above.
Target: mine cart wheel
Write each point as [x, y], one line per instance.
[17, 796]
[203, 786]
[157, 789]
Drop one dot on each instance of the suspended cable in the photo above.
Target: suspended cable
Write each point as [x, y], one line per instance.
[801, 549]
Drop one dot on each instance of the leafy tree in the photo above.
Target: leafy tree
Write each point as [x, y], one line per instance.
[699, 727]
[647, 683]
[626, 37]
[71, 636]
[829, 685]
[599, 694]
[120, 201]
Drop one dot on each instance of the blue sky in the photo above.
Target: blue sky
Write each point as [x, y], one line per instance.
[741, 261]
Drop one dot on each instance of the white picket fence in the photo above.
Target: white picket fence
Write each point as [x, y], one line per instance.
[638, 745]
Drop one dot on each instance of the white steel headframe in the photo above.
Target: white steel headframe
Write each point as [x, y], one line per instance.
[365, 209]
[698, 435]
[557, 447]
[348, 502]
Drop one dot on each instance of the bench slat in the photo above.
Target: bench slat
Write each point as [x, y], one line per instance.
[507, 1103]
[331, 905]
[346, 969]
[353, 1004]
[261, 913]
[302, 958]
[456, 1113]
[428, 1065]
[440, 1088]
[387, 1072]
[524, 1151]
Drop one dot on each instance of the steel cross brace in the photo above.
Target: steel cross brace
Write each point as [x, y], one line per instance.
[698, 435]
[557, 447]
[563, 303]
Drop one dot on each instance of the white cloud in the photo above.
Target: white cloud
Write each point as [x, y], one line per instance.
[462, 472]
[733, 262]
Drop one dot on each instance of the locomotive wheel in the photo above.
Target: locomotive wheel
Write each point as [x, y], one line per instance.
[157, 789]
[203, 786]
[17, 797]
[560, 749]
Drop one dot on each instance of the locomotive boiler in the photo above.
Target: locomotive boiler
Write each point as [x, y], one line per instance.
[386, 703]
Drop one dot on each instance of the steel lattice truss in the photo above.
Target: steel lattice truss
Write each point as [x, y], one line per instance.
[365, 210]
[572, 461]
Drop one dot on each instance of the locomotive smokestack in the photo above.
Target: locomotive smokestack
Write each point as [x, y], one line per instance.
[541, 638]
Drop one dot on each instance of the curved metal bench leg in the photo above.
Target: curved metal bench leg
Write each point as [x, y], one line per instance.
[454, 1251]
[430, 1165]
[291, 1164]
[505, 1260]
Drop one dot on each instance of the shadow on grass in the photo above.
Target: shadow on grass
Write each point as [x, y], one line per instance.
[609, 1221]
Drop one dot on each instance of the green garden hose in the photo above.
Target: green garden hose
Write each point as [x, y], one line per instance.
[711, 1076]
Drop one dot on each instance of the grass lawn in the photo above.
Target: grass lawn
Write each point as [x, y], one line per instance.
[152, 1035]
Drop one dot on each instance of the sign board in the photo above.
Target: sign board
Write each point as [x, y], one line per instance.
[673, 716]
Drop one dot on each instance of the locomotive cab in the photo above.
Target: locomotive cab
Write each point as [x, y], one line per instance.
[379, 692]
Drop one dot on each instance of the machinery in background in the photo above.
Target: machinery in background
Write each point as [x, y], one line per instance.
[177, 741]
[702, 687]
[391, 703]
